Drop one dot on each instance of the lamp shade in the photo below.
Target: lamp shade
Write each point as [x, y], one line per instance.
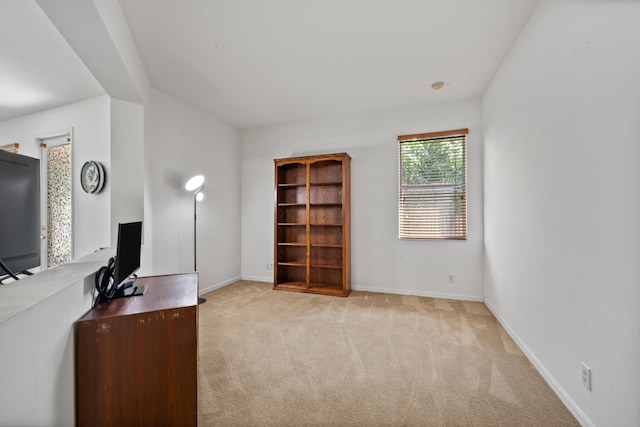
[194, 183]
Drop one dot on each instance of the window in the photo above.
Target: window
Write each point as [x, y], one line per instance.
[433, 191]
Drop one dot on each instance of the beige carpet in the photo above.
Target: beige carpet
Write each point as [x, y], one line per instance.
[272, 358]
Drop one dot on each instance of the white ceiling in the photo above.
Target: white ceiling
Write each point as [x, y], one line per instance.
[260, 62]
[38, 69]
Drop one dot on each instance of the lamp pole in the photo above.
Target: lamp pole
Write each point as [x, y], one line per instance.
[196, 184]
[195, 254]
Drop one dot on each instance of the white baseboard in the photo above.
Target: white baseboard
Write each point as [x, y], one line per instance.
[418, 293]
[218, 285]
[387, 291]
[555, 386]
[258, 278]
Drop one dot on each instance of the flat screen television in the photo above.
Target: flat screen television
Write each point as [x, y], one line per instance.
[128, 258]
[19, 212]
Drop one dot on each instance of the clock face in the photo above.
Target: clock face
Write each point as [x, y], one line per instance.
[92, 177]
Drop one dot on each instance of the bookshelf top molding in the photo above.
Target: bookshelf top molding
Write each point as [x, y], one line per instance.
[312, 158]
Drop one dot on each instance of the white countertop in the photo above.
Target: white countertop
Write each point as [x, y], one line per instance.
[16, 297]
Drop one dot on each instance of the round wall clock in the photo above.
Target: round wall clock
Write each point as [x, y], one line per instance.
[92, 177]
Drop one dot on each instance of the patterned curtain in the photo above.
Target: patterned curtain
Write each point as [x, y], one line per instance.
[59, 204]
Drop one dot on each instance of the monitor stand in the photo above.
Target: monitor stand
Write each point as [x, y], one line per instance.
[127, 290]
[10, 273]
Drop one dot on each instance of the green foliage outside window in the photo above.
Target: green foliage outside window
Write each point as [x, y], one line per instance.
[432, 162]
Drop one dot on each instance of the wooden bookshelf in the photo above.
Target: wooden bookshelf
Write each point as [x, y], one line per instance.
[312, 224]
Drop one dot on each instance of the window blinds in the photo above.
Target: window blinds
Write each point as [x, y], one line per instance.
[432, 179]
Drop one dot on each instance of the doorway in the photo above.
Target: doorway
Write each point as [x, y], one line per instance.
[56, 199]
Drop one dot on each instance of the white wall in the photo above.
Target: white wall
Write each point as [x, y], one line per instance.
[562, 230]
[379, 260]
[127, 164]
[181, 141]
[37, 357]
[90, 120]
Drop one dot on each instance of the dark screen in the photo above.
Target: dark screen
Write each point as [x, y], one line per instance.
[19, 211]
[128, 251]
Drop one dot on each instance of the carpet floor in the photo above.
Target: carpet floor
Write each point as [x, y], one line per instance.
[271, 358]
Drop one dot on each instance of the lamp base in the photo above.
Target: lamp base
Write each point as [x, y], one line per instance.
[202, 300]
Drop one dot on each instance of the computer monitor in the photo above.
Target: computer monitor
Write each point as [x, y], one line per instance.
[128, 258]
[19, 214]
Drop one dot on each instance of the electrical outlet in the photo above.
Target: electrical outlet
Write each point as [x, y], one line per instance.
[585, 372]
[452, 278]
[269, 266]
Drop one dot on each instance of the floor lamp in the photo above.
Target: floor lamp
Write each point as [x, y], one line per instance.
[196, 185]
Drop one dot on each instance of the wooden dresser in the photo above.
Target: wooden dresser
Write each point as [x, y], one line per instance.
[137, 357]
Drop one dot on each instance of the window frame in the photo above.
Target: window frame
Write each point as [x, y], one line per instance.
[460, 226]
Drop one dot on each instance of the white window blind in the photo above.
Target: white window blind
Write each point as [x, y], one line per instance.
[433, 190]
